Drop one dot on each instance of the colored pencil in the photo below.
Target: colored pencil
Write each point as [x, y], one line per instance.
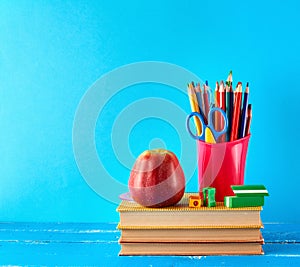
[222, 99]
[216, 114]
[222, 96]
[199, 96]
[229, 103]
[236, 112]
[249, 118]
[205, 101]
[217, 94]
[194, 106]
[209, 137]
[229, 79]
[242, 130]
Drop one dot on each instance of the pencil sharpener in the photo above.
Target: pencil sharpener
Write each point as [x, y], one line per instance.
[194, 202]
[209, 194]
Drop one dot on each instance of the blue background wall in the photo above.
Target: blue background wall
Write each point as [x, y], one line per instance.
[51, 52]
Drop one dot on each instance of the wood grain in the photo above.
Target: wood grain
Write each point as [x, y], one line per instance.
[65, 244]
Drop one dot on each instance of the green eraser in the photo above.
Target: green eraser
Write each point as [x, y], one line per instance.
[249, 190]
[241, 202]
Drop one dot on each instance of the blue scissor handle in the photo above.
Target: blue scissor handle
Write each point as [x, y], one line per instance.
[199, 116]
[210, 124]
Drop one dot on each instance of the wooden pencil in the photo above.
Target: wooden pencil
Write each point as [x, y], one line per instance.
[194, 106]
[242, 130]
[222, 99]
[229, 79]
[216, 114]
[249, 118]
[222, 96]
[199, 96]
[217, 97]
[236, 113]
[205, 101]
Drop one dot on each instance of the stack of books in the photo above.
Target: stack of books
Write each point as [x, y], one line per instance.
[183, 230]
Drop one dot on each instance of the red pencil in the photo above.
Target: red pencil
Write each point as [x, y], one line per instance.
[236, 112]
[249, 117]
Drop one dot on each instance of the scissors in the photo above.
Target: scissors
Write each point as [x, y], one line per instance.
[208, 129]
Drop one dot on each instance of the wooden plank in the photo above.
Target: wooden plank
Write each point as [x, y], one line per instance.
[56, 232]
[281, 232]
[96, 244]
[77, 232]
[66, 254]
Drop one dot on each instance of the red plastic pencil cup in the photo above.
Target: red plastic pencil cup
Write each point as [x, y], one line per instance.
[221, 165]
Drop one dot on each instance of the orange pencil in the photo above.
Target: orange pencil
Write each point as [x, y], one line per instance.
[236, 112]
[249, 117]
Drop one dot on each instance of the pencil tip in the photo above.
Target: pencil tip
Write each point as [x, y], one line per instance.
[247, 84]
[229, 78]
[206, 83]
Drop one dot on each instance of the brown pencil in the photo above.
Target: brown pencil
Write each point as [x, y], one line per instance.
[205, 101]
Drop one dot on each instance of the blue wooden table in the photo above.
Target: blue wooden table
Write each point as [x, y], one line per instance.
[86, 244]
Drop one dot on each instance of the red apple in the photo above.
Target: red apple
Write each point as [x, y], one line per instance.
[157, 179]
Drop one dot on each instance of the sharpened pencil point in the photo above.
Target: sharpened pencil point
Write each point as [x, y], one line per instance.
[247, 84]
[229, 78]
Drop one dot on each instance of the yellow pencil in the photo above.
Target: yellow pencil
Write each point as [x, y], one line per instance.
[194, 107]
[209, 137]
